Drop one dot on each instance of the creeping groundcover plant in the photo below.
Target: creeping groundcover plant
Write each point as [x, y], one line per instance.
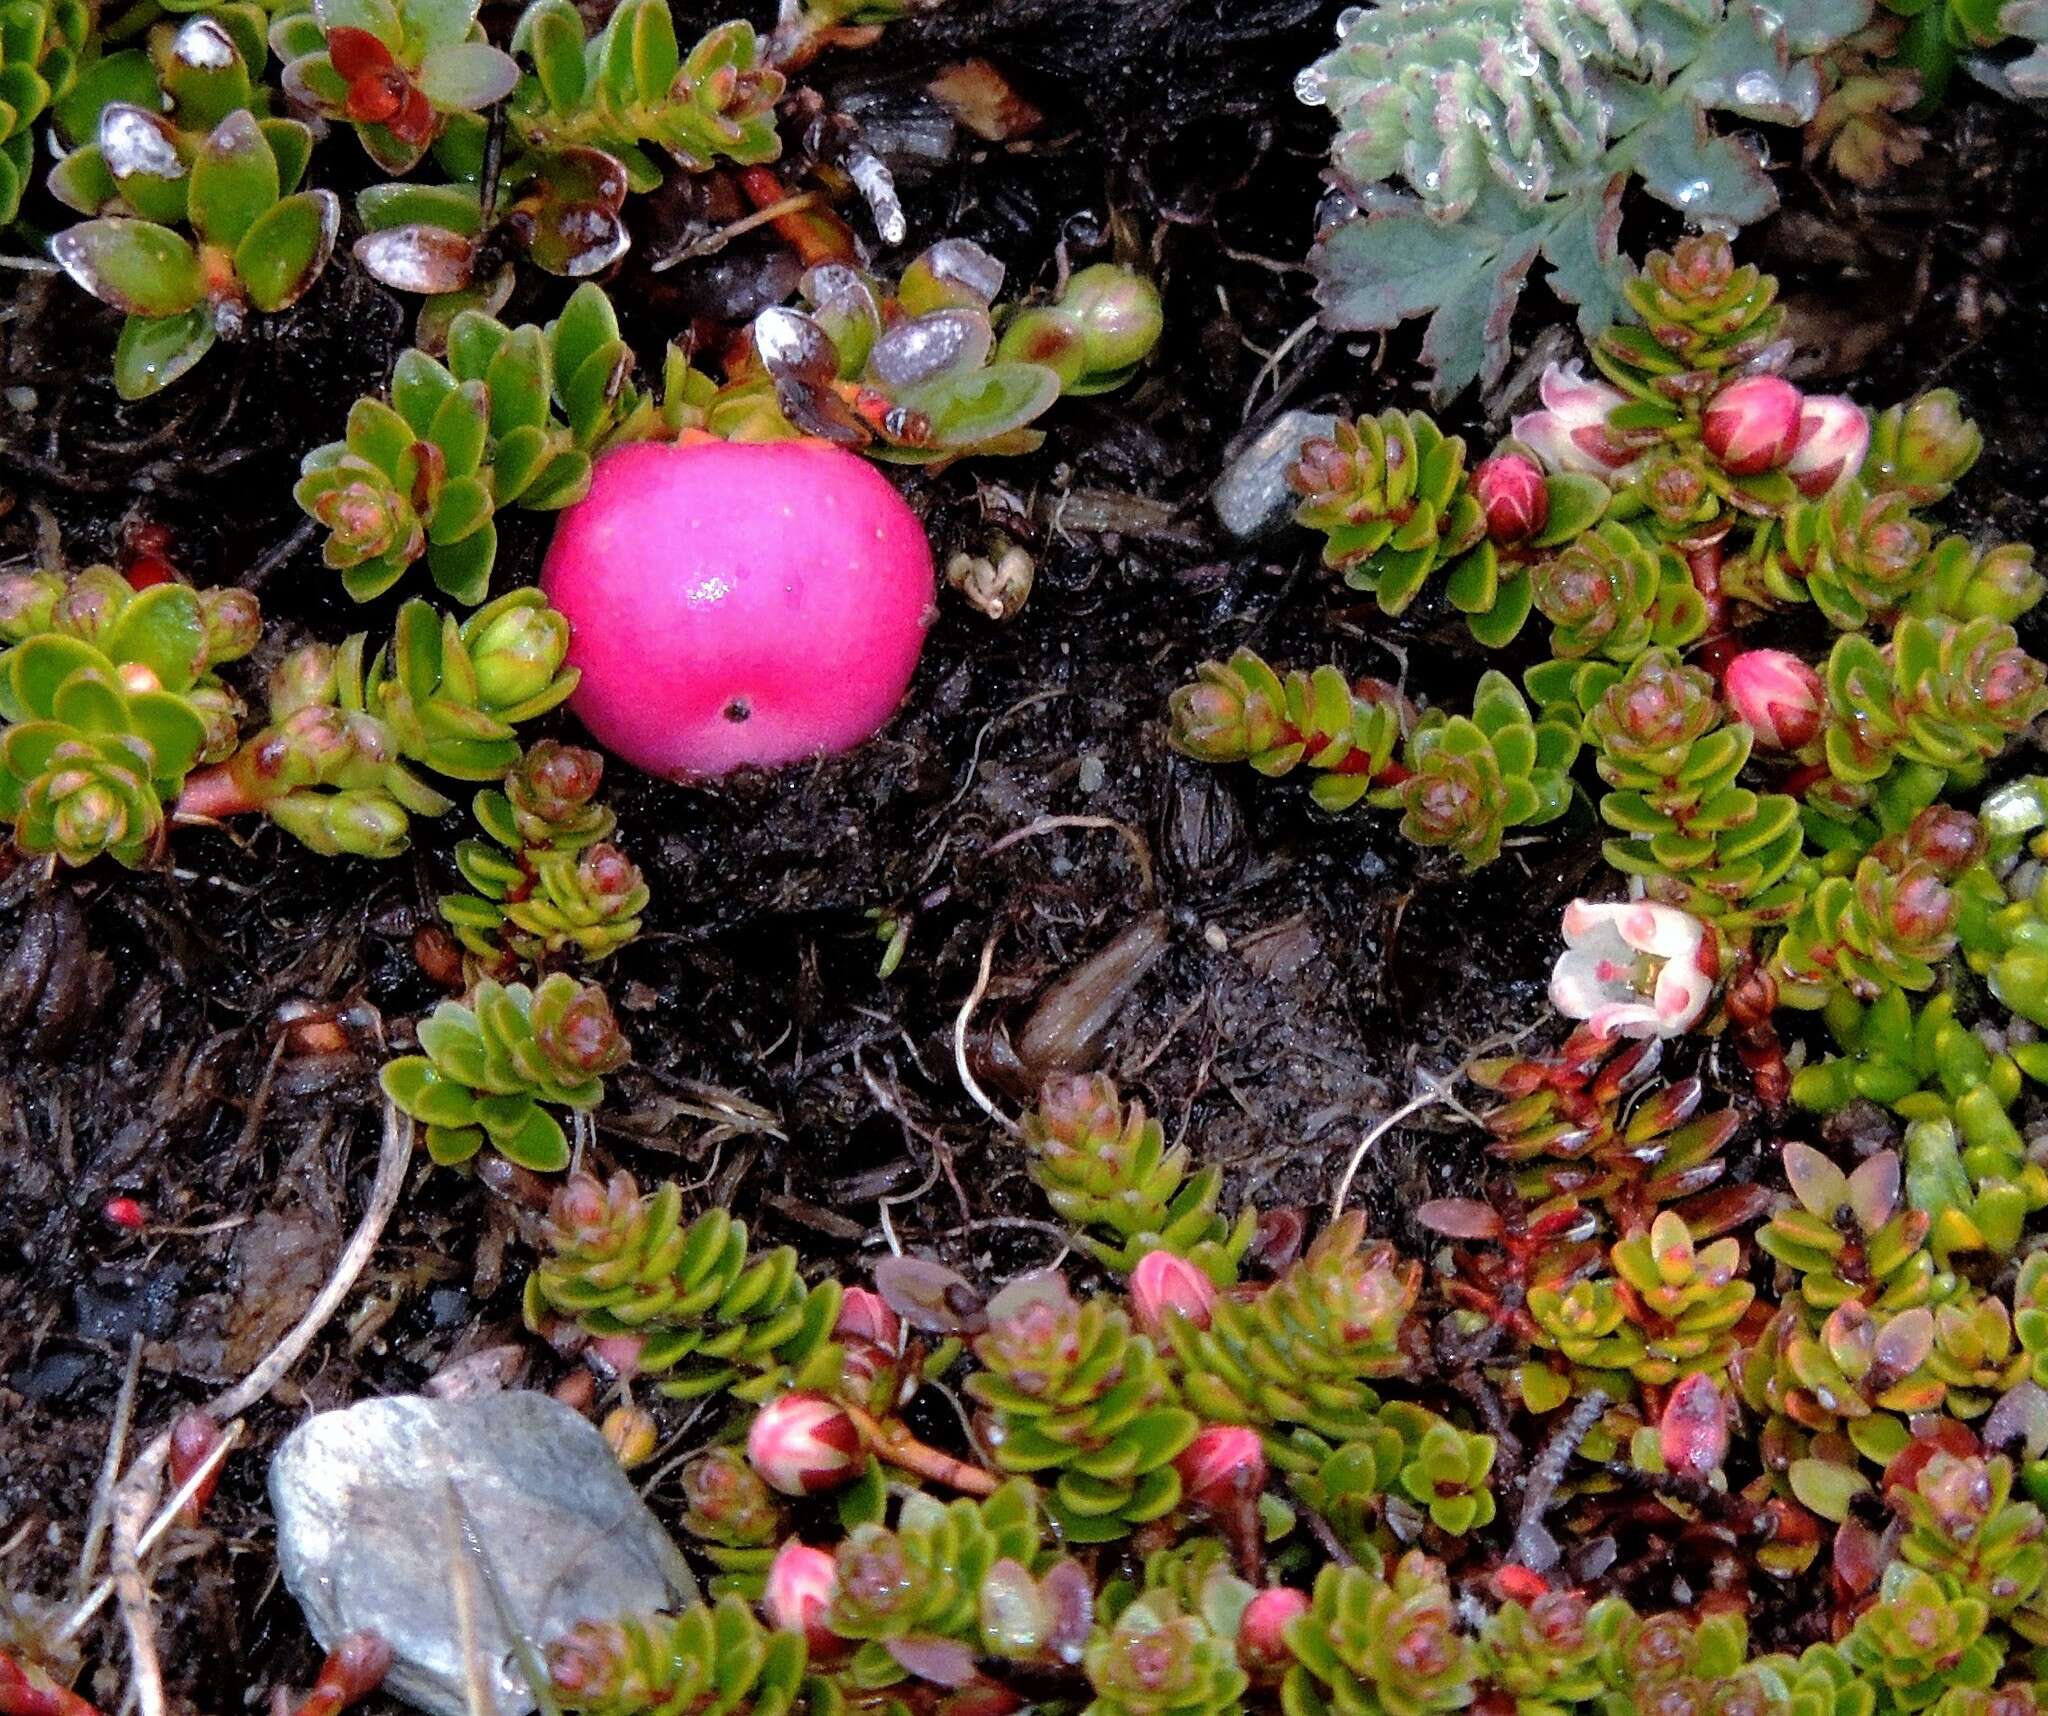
[1698, 1367]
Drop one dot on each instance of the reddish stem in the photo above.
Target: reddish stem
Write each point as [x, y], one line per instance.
[814, 234]
[1704, 563]
[891, 1443]
[194, 1436]
[353, 1670]
[1752, 996]
[214, 793]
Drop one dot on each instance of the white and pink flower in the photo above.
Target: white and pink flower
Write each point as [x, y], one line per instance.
[1163, 1284]
[1510, 488]
[1224, 1463]
[1634, 969]
[798, 1594]
[1262, 1648]
[1570, 433]
[1778, 695]
[1752, 425]
[1834, 435]
[803, 1443]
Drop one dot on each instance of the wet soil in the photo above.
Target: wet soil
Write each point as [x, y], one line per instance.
[1267, 979]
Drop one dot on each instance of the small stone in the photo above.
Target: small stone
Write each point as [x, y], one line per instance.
[1252, 496]
[367, 1534]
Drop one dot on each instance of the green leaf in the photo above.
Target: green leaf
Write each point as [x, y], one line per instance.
[585, 327]
[234, 181]
[283, 253]
[153, 352]
[1702, 174]
[550, 32]
[537, 1142]
[291, 145]
[462, 570]
[419, 387]
[656, 57]
[464, 507]
[461, 427]
[454, 207]
[127, 76]
[133, 265]
[466, 76]
[81, 181]
[205, 75]
[380, 435]
[380, 17]
[162, 629]
[171, 728]
[980, 404]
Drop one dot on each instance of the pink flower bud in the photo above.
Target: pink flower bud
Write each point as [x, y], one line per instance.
[1833, 437]
[1778, 695]
[1752, 425]
[798, 1595]
[1262, 1650]
[1511, 490]
[1222, 1463]
[864, 1315]
[803, 1443]
[1570, 432]
[1164, 1283]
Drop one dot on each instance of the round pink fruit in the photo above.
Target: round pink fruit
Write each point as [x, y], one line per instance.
[733, 604]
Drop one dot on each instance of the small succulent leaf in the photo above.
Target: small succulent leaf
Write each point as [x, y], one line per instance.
[379, 18]
[927, 1295]
[1460, 1218]
[550, 33]
[434, 24]
[81, 181]
[453, 207]
[418, 258]
[172, 730]
[291, 146]
[234, 181]
[1826, 1487]
[127, 76]
[1820, 1186]
[462, 570]
[133, 265]
[163, 629]
[154, 351]
[283, 253]
[982, 404]
[466, 76]
[206, 74]
[461, 427]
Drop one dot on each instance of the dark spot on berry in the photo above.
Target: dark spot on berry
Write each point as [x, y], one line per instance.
[738, 710]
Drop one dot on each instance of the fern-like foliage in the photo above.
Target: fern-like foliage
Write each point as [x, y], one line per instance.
[1477, 136]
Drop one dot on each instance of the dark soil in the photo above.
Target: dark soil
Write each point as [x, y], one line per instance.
[1274, 981]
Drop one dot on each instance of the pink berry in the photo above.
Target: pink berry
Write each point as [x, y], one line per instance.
[732, 604]
[124, 1212]
[1752, 425]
